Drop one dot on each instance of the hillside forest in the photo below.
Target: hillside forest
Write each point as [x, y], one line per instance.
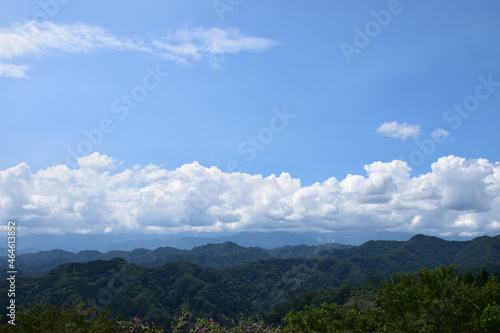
[425, 284]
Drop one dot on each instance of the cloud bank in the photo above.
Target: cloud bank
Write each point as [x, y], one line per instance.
[459, 197]
[184, 46]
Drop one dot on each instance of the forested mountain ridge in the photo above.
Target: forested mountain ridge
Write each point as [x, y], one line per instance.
[212, 255]
[154, 293]
[242, 280]
[436, 300]
[421, 251]
[162, 292]
[382, 256]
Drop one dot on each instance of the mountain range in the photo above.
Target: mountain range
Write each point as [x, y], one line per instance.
[125, 242]
[211, 255]
[419, 251]
[217, 280]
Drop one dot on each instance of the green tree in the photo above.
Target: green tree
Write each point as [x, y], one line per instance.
[482, 277]
[426, 301]
[49, 319]
[332, 318]
[436, 301]
[495, 275]
[468, 278]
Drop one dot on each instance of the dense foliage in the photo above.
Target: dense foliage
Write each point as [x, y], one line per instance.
[77, 319]
[428, 301]
[154, 294]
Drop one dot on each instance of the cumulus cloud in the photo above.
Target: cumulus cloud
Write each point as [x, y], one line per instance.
[397, 130]
[183, 46]
[459, 196]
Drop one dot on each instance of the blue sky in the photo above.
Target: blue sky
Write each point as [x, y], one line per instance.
[305, 115]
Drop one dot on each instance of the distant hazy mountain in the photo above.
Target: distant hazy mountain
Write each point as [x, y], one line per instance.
[212, 255]
[128, 242]
[266, 240]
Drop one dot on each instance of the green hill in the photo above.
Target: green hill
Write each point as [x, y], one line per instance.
[229, 280]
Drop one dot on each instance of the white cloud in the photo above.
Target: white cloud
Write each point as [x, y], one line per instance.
[23, 39]
[459, 196]
[495, 226]
[416, 220]
[11, 70]
[466, 220]
[197, 43]
[183, 46]
[397, 130]
[465, 185]
[469, 234]
[439, 133]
